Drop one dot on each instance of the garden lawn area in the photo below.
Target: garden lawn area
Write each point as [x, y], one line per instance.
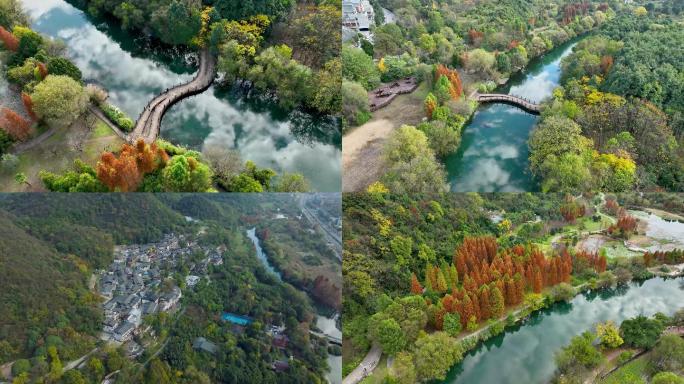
[617, 248]
[633, 372]
[58, 152]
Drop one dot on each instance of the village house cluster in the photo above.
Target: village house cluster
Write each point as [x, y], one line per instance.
[133, 283]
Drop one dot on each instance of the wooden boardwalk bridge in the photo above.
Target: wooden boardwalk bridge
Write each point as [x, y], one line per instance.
[520, 102]
[149, 122]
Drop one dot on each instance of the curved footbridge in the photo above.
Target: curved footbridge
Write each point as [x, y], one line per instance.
[149, 122]
[520, 102]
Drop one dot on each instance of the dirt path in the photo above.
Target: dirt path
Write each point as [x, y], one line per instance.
[25, 146]
[361, 154]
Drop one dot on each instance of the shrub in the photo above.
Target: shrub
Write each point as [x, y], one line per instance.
[624, 357]
[118, 117]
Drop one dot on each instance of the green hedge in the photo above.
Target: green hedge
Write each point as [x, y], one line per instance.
[118, 117]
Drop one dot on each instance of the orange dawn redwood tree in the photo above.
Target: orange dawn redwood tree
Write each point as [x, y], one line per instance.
[9, 40]
[16, 126]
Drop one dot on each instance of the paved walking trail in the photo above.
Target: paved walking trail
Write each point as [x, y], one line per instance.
[366, 367]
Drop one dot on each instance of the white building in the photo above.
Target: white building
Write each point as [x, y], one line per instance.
[357, 15]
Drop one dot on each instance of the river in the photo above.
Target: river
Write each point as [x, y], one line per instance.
[134, 70]
[326, 323]
[524, 354]
[493, 155]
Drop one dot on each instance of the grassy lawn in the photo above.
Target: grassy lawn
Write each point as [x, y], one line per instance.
[633, 372]
[617, 248]
[57, 153]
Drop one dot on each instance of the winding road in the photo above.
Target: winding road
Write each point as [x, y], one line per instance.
[149, 122]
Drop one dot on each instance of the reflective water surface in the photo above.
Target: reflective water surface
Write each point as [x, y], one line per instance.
[524, 354]
[135, 69]
[493, 156]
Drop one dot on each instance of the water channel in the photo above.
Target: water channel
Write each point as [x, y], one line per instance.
[328, 324]
[524, 354]
[493, 155]
[134, 69]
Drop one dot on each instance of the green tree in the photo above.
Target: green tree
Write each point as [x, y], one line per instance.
[359, 67]
[401, 248]
[60, 66]
[403, 369]
[6, 351]
[497, 303]
[186, 174]
[435, 354]
[55, 364]
[641, 332]
[30, 43]
[73, 376]
[20, 366]
[96, 369]
[158, 373]
[177, 23]
[391, 337]
[355, 109]
[452, 324]
[59, 100]
[667, 355]
[609, 334]
[579, 354]
[292, 182]
[480, 61]
[667, 378]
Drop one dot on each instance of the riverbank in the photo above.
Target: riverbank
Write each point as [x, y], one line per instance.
[522, 314]
[492, 155]
[328, 319]
[585, 294]
[134, 69]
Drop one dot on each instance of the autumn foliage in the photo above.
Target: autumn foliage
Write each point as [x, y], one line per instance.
[612, 207]
[573, 10]
[606, 64]
[664, 257]
[456, 89]
[588, 260]
[16, 126]
[416, 288]
[475, 36]
[571, 210]
[43, 70]
[430, 105]
[492, 278]
[625, 226]
[125, 173]
[9, 40]
[28, 104]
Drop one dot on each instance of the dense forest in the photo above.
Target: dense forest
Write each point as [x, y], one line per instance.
[52, 245]
[616, 123]
[452, 48]
[639, 347]
[439, 272]
[299, 64]
[53, 95]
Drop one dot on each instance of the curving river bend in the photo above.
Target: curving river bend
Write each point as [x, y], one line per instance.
[524, 354]
[134, 70]
[493, 155]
